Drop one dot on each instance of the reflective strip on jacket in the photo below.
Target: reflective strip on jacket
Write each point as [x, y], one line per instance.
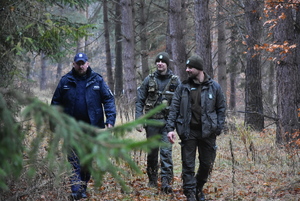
[98, 97]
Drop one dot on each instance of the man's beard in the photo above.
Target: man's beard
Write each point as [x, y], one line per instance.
[192, 75]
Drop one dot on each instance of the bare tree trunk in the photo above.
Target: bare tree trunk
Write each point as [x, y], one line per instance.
[286, 76]
[203, 41]
[30, 69]
[178, 23]
[143, 35]
[297, 33]
[233, 68]
[81, 41]
[222, 72]
[253, 90]
[118, 51]
[43, 79]
[271, 86]
[59, 70]
[128, 53]
[110, 79]
[169, 44]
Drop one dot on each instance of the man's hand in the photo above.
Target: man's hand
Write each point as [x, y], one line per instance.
[172, 137]
[139, 128]
[109, 126]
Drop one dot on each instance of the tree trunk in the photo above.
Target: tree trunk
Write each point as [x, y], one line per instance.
[178, 23]
[297, 34]
[253, 90]
[203, 42]
[169, 41]
[59, 70]
[233, 68]
[143, 35]
[110, 79]
[118, 51]
[286, 76]
[128, 53]
[271, 86]
[43, 79]
[222, 72]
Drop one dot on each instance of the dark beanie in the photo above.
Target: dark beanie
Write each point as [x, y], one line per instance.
[195, 62]
[163, 56]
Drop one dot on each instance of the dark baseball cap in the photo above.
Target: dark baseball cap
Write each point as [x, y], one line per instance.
[80, 57]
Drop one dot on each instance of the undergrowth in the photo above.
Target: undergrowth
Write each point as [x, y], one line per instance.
[249, 166]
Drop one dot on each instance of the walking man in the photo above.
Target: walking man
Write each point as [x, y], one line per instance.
[197, 113]
[157, 88]
[84, 95]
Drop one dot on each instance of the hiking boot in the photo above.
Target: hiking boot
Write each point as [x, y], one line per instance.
[152, 184]
[200, 195]
[76, 196]
[165, 186]
[191, 196]
[83, 195]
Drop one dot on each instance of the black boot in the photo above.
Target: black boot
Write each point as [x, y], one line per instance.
[152, 175]
[200, 196]
[190, 196]
[152, 183]
[165, 185]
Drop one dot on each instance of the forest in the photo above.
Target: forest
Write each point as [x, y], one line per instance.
[250, 47]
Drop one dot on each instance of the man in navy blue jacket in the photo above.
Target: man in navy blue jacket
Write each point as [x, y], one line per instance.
[84, 95]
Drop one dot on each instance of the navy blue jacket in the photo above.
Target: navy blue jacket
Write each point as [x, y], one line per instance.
[98, 97]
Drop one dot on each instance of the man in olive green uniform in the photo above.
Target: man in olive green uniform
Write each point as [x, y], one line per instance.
[156, 88]
[197, 113]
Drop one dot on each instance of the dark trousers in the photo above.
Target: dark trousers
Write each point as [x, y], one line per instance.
[207, 154]
[80, 175]
[165, 153]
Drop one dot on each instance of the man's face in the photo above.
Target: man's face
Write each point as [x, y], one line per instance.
[161, 66]
[81, 67]
[192, 72]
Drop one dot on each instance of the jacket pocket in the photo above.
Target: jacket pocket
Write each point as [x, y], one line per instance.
[213, 121]
[181, 129]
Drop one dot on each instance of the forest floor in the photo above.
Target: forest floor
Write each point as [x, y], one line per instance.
[249, 166]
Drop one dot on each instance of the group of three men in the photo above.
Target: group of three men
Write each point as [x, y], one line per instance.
[195, 109]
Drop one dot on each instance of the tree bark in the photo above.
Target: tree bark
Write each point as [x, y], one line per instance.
[233, 68]
[286, 76]
[297, 34]
[118, 50]
[43, 79]
[203, 41]
[128, 53]
[222, 71]
[110, 79]
[253, 90]
[143, 35]
[178, 23]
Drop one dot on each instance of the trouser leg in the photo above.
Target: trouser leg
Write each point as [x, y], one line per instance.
[85, 177]
[152, 157]
[166, 158]
[188, 150]
[80, 175]
[75, 178]
[207, 155]
[166, 165]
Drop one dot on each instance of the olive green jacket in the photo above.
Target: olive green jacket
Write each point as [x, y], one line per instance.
[213, 109]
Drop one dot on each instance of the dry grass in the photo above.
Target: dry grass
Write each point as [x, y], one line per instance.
[249, 166]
